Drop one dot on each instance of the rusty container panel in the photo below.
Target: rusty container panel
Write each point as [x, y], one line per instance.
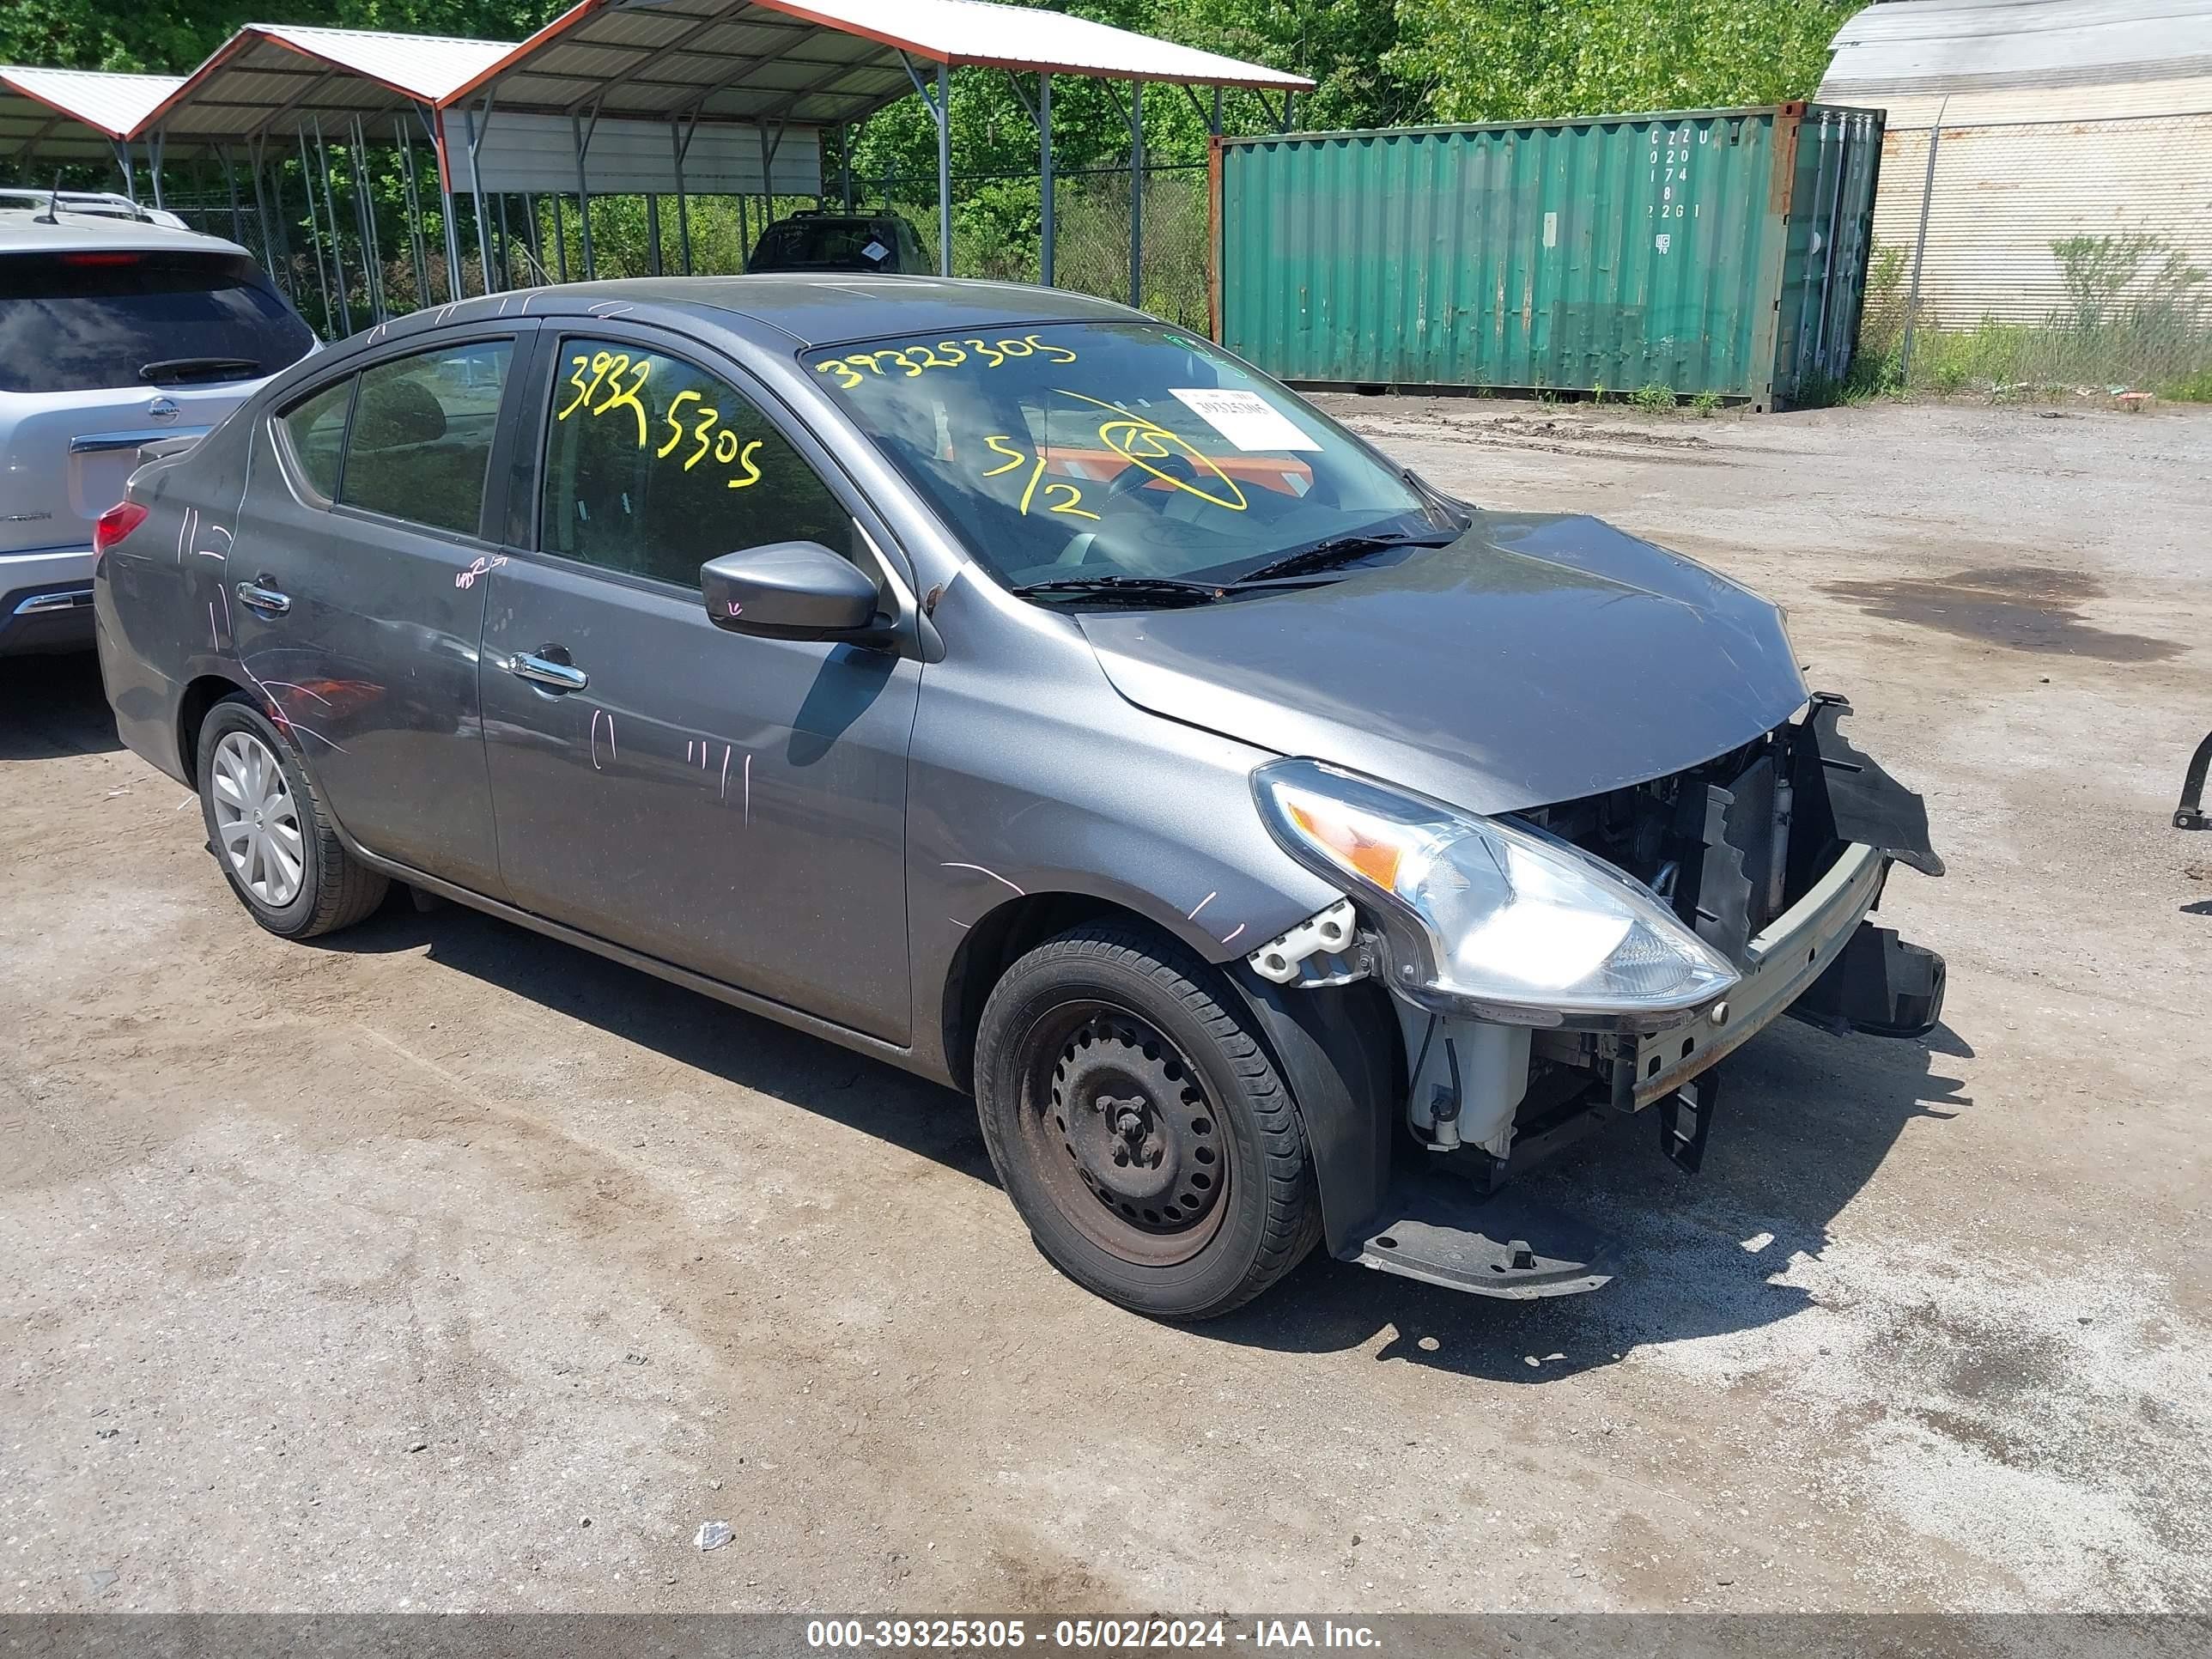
[1619, 251]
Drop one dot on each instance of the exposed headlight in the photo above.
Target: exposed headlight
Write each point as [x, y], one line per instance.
[1490, 913]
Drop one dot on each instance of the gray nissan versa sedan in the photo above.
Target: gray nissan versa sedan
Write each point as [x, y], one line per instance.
[1022, 691]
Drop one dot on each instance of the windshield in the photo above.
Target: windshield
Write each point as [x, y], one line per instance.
[74, 322]
[1118, 450]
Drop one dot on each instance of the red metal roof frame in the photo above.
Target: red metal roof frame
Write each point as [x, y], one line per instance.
[252, 34]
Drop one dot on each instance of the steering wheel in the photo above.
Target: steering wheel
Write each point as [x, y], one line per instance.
[1134, 476]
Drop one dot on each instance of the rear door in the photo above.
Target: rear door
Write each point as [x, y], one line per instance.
[103, 349]
[354, 591]
[734, 804]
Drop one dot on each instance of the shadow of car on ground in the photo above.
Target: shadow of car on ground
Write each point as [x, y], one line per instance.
[1809, 1118]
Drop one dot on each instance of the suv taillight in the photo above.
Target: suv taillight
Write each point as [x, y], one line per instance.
[117, 522]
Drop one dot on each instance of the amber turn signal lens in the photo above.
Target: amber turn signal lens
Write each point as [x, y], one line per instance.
[1377, 860]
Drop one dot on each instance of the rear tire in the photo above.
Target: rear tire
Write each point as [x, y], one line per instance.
[270, 831]
[1140, 1127]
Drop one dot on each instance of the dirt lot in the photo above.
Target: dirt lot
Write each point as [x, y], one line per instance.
[439, 1266]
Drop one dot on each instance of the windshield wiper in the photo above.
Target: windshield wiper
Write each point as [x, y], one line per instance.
[1327, 555]
[170, 369]
[1140, 590]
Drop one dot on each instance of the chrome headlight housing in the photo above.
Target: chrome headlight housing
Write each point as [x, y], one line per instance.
[1492, 917]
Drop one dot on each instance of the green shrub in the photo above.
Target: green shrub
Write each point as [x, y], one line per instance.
[1654, 398]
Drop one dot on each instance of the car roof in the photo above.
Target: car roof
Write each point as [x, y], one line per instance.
[25, 230]
[825, 308]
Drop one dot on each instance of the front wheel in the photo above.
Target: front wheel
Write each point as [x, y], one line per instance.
[1139, 1126]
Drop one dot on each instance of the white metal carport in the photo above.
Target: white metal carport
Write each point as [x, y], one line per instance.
[778, 63]
[66, 116]
[269, 81]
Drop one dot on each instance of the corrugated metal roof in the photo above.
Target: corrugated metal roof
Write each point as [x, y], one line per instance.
[58, 115]
[816, 62]
[271, 70]
[2076, 59]
[1025, 37]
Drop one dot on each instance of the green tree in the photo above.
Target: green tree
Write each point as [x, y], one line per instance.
[1518, 60]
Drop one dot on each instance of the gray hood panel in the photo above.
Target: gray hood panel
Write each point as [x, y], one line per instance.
[1538, 659]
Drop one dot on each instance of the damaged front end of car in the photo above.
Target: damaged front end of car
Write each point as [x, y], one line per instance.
[1554, 968]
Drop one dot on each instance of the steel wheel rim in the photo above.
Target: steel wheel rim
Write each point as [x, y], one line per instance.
[1120, 1126]
[256, 820]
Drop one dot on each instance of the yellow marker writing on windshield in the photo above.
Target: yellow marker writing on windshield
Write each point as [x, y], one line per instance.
[1125, 436]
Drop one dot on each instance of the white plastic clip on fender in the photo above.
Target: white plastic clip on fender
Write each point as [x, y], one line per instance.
[1322, 940]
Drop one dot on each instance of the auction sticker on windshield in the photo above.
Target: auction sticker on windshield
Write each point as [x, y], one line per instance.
[1245, 418]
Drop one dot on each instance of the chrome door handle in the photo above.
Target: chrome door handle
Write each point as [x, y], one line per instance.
[541, 670]
[264, 598]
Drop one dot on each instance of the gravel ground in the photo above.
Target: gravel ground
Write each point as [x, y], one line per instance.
[439, 1266]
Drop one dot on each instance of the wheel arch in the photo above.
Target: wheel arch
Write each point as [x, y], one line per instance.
[1337, 1048]
[200, 695]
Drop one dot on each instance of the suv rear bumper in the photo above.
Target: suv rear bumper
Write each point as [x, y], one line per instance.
[45, 601]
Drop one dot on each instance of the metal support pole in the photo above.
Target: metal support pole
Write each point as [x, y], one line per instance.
[944, 170]
[503, 241]
[314, 234]
[1290, 108]
[372, 256]
[237, 213]
[417, 250]
[845, 159]
[1214, 126]
[330, 218]
[154, 148]
[683, 211]
[534, 238]
[475, 190]
[437, 124]
[561, 235]
[129, 179]
[768, 172]
[269, 261]
[1137, 193]
[1920, 248]
[653, 232]
[584, 192]
[1045, 231]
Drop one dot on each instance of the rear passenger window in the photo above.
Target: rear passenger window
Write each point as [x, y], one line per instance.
[420, 444]
[316, 430]
[655, 467]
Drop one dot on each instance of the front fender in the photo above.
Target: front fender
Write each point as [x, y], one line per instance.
[1031, 777]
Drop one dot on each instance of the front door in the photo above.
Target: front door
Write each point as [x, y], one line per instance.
[347, 591]
[732, 805]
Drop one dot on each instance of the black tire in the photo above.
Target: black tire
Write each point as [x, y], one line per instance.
[334, 889]
[1191, 1189]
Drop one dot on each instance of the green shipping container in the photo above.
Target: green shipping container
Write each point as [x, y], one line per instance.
[1708, 251]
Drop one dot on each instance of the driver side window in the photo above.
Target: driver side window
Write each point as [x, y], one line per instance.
[654, 466]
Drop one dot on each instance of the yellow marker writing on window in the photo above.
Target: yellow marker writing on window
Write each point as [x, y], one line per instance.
[1140, 440]
[675, 426]
[752, 470]
[625, 397]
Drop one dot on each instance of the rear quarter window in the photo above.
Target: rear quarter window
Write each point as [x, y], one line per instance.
[107, 319]
[316, 430]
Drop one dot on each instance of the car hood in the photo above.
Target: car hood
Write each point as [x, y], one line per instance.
[1538, 659]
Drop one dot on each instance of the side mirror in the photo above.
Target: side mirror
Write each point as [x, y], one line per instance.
[790, 591]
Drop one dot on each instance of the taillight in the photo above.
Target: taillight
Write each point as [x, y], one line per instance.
[117, 522]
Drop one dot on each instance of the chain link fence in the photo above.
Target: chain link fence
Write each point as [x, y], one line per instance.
[2043, 258]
